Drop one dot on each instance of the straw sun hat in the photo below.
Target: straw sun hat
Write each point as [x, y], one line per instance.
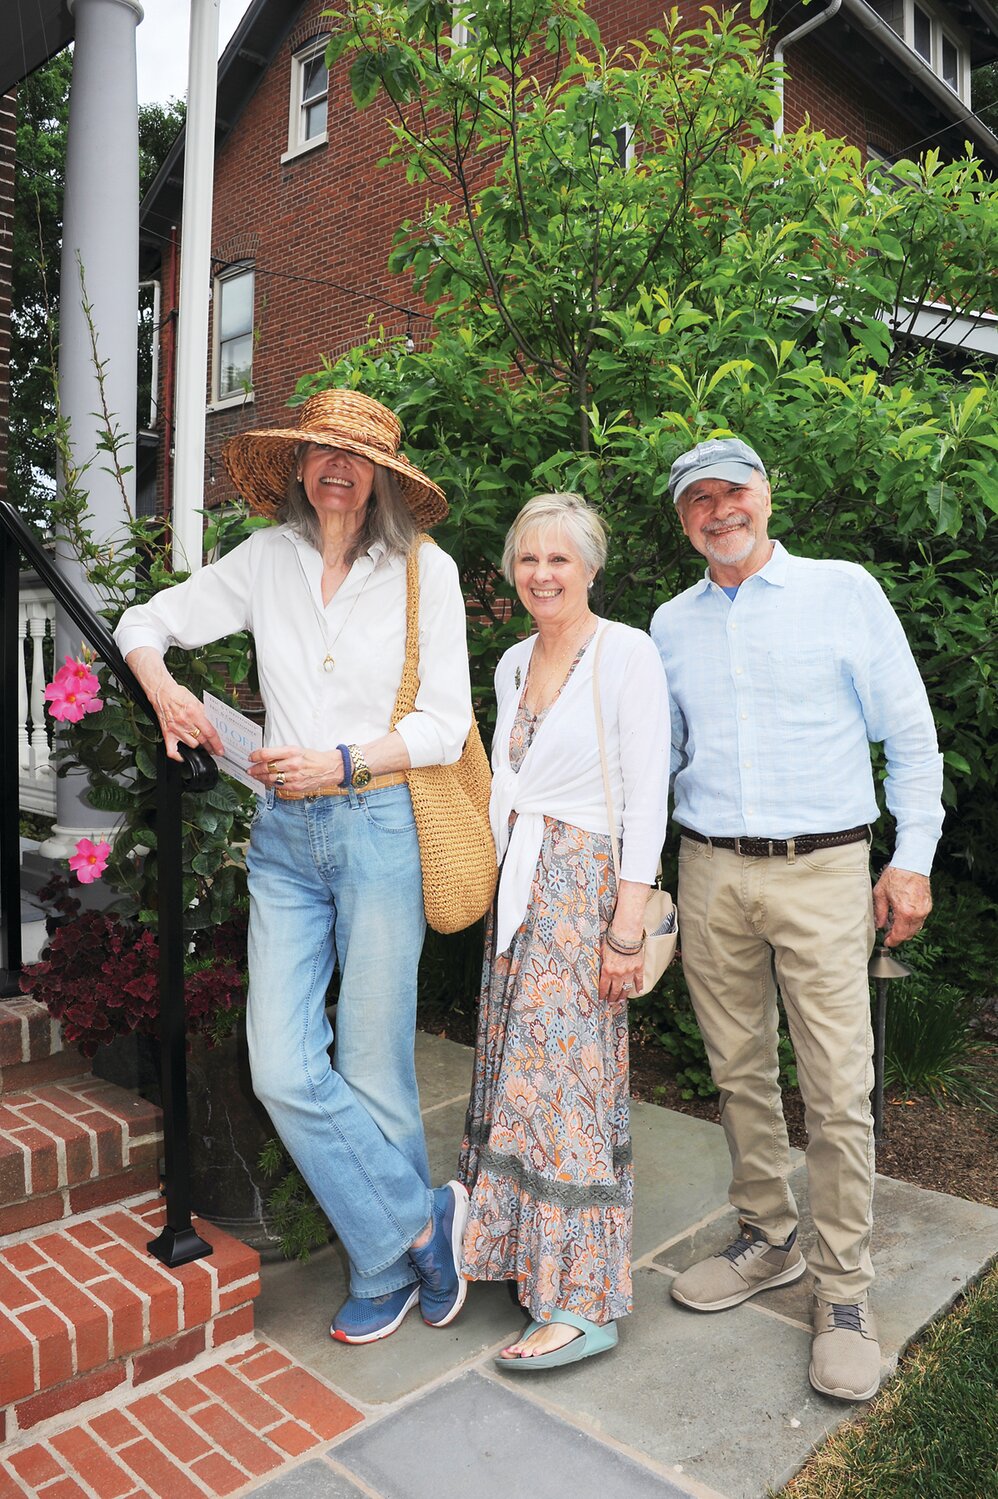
[260, 463]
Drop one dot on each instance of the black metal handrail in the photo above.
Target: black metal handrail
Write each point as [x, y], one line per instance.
[178, 1242]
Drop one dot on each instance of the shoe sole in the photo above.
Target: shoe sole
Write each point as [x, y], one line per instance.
[462, 1205]
[840, 1394]
[382, 1332]
[581, 1346]
[785, 1278]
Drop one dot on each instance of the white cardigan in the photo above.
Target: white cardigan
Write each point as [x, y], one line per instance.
[560, 773]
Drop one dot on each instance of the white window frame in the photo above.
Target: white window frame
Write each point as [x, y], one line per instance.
[623, 140]
[462, 32]
[938, 30]
[240, 397]
[298, 142]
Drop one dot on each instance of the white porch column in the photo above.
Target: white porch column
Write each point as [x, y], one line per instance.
[100, 256]
[195, 280]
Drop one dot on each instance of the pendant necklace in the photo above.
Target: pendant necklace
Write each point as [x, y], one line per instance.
[328, 662]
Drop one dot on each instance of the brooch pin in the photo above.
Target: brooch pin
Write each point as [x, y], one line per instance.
[516, 676]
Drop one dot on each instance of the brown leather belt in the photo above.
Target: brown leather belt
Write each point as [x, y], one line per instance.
[391, 778]
[766, 848]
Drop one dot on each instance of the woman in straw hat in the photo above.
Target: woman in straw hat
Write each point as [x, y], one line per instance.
[334, 869]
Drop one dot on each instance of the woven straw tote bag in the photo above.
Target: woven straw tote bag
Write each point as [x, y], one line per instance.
[449, 802]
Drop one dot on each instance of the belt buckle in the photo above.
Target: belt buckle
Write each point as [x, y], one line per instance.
[754, 848]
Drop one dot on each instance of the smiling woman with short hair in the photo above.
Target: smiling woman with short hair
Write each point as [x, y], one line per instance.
[547, 1153]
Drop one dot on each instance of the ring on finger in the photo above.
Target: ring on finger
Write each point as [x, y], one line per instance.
[280, 778]
[272, 766]
[196, 732]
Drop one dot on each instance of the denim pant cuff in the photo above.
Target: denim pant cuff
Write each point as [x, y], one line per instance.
[360, 1292]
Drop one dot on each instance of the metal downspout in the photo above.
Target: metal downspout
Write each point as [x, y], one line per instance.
[779, 51]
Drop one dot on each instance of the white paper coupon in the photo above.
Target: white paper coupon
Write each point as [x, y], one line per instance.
[240, 737]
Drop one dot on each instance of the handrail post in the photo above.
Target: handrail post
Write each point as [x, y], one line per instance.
[10, 830]
[178, 1242]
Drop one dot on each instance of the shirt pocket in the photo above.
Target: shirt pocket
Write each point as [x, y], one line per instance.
[807, 686]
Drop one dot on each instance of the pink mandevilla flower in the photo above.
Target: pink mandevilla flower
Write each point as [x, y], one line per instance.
[73, 692]
[90, 860]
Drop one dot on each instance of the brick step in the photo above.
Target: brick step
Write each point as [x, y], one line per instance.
[71, 1146]
[32, 1050]
[86, 1310]
[224, 1424]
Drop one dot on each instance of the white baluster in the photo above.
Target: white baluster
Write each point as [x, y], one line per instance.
[23, 742]
[36, 624]
[42, 623]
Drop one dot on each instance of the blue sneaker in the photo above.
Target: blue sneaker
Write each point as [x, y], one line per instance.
[365, 1321]
[442, 1287]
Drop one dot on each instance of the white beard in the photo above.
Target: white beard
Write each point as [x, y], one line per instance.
[734, 553]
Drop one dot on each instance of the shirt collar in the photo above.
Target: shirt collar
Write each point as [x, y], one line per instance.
[376, 551]
[773, 572]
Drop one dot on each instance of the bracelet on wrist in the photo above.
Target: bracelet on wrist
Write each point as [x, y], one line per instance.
[347, 765]
[625, 949]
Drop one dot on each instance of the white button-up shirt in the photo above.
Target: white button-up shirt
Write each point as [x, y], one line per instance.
[776, 695]
[328, 673]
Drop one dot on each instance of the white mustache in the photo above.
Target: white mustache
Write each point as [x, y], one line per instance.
[724, 525]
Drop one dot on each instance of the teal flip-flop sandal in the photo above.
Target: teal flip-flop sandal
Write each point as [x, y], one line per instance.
[596, 1338]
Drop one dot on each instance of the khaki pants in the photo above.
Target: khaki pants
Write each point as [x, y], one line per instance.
[809, 920]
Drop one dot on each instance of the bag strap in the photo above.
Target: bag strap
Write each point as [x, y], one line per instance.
[601, 741]
[405, 698]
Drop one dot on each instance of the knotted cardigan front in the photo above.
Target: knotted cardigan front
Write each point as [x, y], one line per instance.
[560, 773]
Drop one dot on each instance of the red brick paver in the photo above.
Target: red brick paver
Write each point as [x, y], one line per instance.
[208, 1433]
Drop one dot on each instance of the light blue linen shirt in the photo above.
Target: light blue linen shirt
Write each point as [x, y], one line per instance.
[775, 696]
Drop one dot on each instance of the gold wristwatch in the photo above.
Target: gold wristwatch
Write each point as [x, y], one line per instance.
[361, 770]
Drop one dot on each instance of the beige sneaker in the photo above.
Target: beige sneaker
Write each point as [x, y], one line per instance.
[748, 1265]
[845, 1354]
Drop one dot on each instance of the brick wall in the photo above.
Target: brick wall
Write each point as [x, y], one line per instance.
[7, 123]
[318, 234]
[821, 89]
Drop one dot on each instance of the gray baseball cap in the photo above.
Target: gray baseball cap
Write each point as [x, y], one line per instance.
[719, 458]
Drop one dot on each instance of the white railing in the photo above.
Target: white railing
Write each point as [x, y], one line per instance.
[35, 634]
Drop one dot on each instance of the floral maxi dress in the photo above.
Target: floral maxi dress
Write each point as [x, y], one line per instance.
[547, 1154]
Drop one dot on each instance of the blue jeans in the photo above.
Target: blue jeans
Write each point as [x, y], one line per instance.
[338, 879]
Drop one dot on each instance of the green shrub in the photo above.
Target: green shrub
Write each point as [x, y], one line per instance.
[930, 1047]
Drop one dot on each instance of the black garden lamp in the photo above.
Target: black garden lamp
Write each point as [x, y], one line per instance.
[884, 967]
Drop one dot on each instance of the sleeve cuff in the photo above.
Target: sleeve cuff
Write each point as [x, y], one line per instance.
[915, 852]
[131, 637]
[423, 742]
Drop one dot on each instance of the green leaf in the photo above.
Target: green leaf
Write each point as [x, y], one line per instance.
[365, 79]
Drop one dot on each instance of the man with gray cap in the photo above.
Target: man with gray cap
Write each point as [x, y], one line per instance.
[781, 671]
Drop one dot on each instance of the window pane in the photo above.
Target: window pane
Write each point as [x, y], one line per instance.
[923, 34]
[235, 365]
[235, 313]
[951, 63]
[314, 79]
[315, 120]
